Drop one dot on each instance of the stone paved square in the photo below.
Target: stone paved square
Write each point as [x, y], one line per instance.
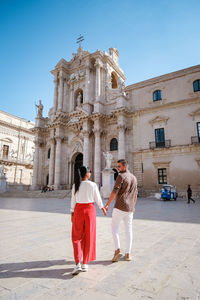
[36, 255]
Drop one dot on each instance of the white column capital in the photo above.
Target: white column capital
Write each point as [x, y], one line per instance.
[98, 63]
[121, 127]
[85, 133]
[58, 139]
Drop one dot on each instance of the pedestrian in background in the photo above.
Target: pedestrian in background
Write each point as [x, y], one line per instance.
[189, 194]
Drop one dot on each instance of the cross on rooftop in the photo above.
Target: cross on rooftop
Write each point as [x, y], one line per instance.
[79, 40]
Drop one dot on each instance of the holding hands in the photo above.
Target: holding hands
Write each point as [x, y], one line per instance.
[105, 210]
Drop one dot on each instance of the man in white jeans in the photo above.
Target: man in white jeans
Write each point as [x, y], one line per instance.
[125, 192]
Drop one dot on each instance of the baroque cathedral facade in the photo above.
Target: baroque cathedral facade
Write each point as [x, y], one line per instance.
[154, 124]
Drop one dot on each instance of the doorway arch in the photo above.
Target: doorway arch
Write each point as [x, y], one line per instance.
[78, 162]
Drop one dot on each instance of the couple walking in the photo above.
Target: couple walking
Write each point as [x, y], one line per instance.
[83, 214]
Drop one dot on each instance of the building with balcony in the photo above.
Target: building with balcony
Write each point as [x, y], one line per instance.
[16, 149]
[154, 124]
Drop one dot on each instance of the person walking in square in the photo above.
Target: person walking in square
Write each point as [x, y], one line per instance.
[125, 192]
[83, 216]
[189, 194]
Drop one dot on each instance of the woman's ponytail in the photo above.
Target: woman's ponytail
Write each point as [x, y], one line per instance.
[81, 172]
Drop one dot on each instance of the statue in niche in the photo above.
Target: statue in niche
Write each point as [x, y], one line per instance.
[108, 158]
[79, 100]
[40, 109]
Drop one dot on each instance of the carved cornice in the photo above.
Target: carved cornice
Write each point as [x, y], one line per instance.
[158, 152]
[165, 106]
[39, 130]
[15, 127]
[162, 78]
[16, 162]
[122, 111]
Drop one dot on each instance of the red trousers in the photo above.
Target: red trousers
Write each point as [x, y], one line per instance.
[84, 232]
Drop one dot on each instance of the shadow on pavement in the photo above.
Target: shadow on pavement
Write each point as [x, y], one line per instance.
[25, 269]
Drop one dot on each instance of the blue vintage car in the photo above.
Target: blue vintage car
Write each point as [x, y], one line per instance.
[168, 192]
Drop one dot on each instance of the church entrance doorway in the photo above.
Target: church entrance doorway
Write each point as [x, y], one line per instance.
[78, 163]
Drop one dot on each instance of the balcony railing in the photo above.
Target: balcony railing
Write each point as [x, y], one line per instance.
[195, 139]
[164, 144]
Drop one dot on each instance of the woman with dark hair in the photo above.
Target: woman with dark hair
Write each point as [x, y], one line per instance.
[83, 216]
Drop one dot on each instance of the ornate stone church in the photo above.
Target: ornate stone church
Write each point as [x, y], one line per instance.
[154, 124]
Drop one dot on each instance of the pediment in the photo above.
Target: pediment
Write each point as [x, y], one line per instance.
[79, 112]
[61, 63]
[159, 119]
[6, 140]
[79, 55]
[195, 113]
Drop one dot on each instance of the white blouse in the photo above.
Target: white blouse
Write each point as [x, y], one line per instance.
[88, 193]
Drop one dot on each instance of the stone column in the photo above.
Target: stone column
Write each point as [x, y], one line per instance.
[87, 82]
[86, 148]
[121, 141]
[97, 157]
[98, 79]
[70, 174]
[52, 162]
[41, 177]
[57, 174]
[35, 166]
[55, 98]
[60, 95]
[64, 107]
[71, 99]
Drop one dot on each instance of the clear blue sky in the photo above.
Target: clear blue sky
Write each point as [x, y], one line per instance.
[153, 37]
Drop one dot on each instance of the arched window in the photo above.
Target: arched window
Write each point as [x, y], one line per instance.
[114, 80]
[196, 85]
[157, 95]
[113, 144]
[49, 153]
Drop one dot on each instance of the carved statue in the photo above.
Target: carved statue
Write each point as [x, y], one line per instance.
[72, 76]
[40, 109]
[108, 158]
[79, 99]
[13, 154]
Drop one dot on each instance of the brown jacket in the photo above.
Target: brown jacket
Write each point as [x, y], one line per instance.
[126, 189]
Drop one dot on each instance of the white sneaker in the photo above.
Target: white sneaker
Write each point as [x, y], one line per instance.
[77, 269]
[84, 268]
